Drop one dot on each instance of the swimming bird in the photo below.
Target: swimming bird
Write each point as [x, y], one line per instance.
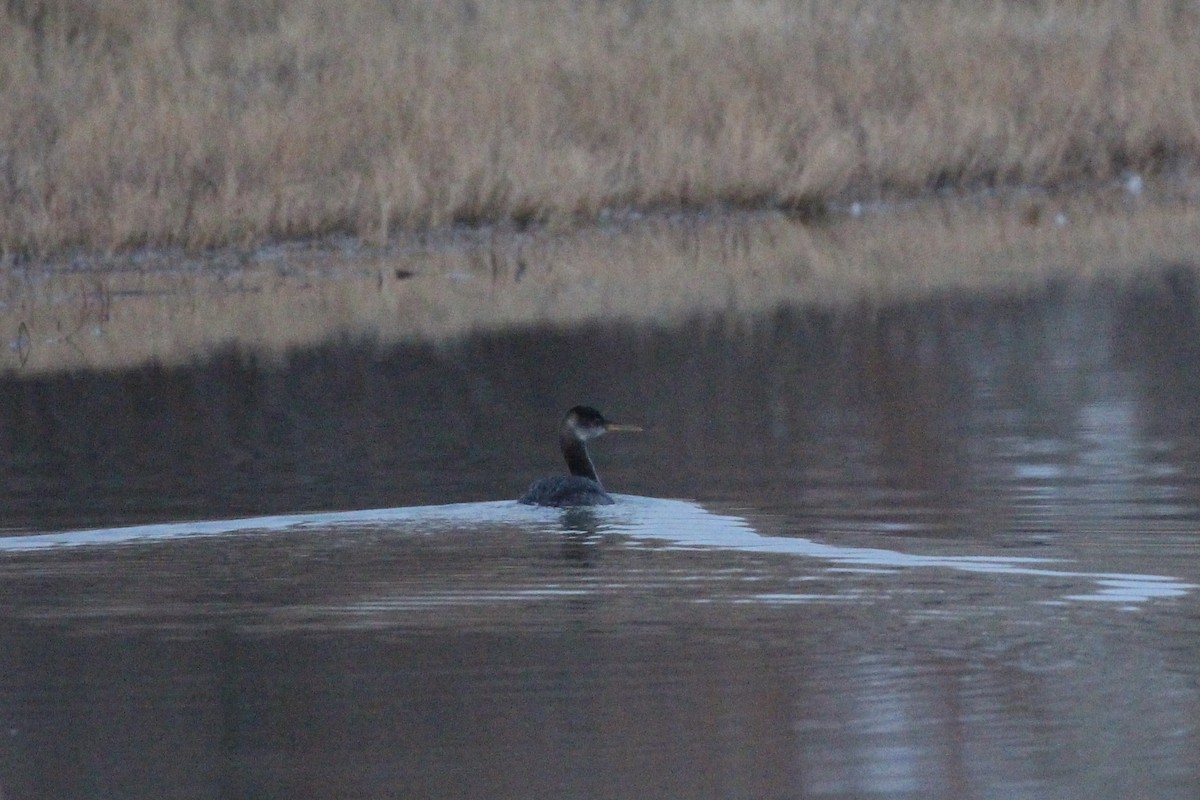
[582, 487]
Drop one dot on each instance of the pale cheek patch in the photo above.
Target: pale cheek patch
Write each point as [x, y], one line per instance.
[585, 433]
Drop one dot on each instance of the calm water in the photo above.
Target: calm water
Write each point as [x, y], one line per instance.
[938, 549]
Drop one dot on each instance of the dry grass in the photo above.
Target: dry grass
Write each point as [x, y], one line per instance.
[132, 122]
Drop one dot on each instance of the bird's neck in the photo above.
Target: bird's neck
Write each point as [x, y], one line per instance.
[576, 454]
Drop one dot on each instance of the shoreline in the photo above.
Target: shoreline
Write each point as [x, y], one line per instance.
[1130, 191]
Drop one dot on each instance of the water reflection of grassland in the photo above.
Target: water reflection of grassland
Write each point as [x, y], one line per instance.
[127, 122]
[118, 313]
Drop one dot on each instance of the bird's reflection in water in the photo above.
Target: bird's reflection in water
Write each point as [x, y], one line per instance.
[581, 535]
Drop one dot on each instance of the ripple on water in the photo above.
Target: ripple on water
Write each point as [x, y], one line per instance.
[503, 561]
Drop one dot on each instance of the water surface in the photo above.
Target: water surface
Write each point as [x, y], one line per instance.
[942, 545]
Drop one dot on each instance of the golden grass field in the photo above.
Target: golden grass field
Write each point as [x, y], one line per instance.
[130, 123]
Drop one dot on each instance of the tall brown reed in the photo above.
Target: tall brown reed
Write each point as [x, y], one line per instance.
[147, 122]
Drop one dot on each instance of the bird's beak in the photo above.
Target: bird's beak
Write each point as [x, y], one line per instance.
[620, 426]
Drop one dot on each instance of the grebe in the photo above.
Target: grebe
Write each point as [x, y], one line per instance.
[582, 487]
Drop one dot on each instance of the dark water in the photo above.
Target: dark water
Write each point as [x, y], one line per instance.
[941, 549]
